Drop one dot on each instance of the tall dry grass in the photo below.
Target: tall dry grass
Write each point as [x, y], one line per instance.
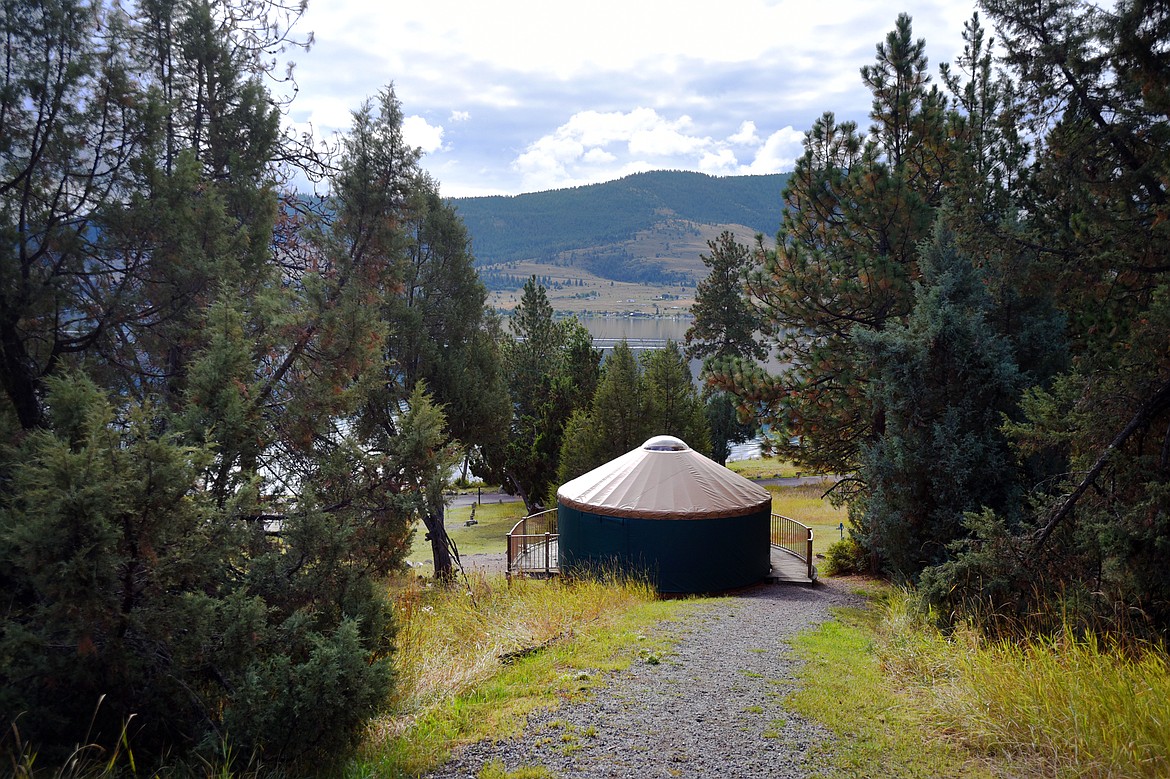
[451, 639]
[473, 659]
[1083, 707]
[1070, 705]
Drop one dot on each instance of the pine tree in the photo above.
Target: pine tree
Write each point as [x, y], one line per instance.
[725, 323]
[71, 121]
[227, 524]
[673, 403]
[855, 209]
[551, 368]
[620, 406]
[725, 332]
[1092, 101]
[631, 403]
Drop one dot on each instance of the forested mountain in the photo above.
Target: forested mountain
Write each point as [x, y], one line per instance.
[542, 225]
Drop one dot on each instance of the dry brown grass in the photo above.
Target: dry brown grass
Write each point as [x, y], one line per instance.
[472, 660]
[806, 504]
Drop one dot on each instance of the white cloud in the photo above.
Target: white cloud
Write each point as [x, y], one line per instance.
[325, 112]
[778, 153]
[594, 128]
[646, 85]
[746, 135]
[598, 146]
[609, 144]
[417, 131]
[667, 140]
[719, 163]
[598, 157]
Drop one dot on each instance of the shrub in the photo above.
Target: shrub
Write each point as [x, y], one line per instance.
[129, 591]
[845, 557]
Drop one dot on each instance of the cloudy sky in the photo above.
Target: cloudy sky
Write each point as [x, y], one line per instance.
[519, 96]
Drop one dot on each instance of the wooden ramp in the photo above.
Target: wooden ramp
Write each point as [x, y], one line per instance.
[788, 568]
[538, 558]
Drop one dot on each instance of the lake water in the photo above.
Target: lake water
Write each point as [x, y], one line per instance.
[644, 333]
[608, 330]
[641, 333]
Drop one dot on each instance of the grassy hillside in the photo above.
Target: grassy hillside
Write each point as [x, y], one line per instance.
[620, 246]
[542, 225]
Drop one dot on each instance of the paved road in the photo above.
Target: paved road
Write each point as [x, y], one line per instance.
[467, 499]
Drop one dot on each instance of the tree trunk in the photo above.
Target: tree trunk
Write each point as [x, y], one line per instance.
[18, 380]
[441, 545]
[530, 506]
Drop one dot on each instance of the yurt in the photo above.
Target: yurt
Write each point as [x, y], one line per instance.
[668, 512]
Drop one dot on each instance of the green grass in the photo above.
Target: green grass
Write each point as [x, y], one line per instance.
[881, 730]
[907, 700]
[454, 685]
[494, 520]
[496, 770]
[763, 468]
[1068, 705]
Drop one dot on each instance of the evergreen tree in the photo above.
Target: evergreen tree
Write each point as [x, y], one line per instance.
[620, 406]
[71, 123]
[856, 207]
[442, 333]
[722, 414]
[232, 516]
[725, 323]
[1091, 100]
[138, 595]
[613, 421]
[673, 403]
[631, 404]
[580, 450]
[943, 380]
[726, 328]
[551, 367]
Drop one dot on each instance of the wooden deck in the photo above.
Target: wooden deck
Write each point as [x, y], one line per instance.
[787, 568]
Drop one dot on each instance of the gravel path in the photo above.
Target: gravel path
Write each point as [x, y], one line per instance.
[711, 708]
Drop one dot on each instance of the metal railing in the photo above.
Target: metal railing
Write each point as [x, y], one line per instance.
[533, 544]
[790, 535]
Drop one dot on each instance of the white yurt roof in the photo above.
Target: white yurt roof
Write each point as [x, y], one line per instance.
[664, 479]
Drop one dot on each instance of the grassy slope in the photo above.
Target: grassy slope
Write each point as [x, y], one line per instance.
[881, 729]
[907, 700]
[457, 683]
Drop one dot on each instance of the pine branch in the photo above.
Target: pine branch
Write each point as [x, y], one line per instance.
[1156, 403]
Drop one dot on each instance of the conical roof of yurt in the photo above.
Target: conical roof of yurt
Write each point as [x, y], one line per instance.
[664, 479]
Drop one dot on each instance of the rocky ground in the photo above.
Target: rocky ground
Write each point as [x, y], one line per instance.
[712, 707]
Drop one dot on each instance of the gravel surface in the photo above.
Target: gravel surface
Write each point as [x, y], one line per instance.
[711, 707]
